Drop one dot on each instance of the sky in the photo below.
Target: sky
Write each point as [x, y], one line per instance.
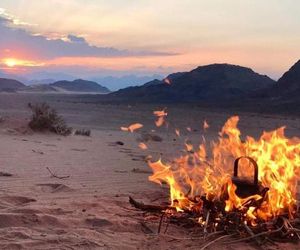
[93, 38]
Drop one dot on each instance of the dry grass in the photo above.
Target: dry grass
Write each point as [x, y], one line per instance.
[45, 118]
[83, 132]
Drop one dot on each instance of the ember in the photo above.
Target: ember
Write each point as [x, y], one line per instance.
[161, 114]
[258, 200]
[132, 127]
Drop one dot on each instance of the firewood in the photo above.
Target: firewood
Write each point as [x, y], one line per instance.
[55, 176]
[216, 240]
[149, 208]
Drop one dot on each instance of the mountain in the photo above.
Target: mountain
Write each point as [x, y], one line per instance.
[42, 88]
[116, 83]
[153, 82]
[285, 95]
[10, 85]
[290, 81]
[288, 86]
[208, 83]
[40, 81]
[80, 85]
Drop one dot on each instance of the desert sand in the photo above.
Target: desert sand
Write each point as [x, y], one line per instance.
[90, 208]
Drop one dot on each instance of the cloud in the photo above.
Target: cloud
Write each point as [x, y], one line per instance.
[15, 38]
[76, 39]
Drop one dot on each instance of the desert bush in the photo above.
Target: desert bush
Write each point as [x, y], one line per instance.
[45, 118]
[84, 132]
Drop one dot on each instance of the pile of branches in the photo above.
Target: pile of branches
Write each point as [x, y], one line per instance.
[45, 118]
[213, 224]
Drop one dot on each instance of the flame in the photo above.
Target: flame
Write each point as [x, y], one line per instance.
[207, 170]
[161, 114]
[205, 125]
[132, 127]
[167, 81]
[143, 146]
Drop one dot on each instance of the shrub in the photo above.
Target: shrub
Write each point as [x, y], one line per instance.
[45, 118]
[84, 132]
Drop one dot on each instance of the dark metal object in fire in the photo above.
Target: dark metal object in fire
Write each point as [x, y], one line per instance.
[245, 186]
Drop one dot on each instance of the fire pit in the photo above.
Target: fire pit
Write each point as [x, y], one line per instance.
[241, 190]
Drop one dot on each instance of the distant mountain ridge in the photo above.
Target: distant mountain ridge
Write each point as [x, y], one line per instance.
[10, 85]
[80, 85]
[116, 83]
[215, 85]
[205, 83]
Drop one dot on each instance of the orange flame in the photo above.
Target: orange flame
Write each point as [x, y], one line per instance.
[143, 146]
[201, 173]
[205, 125]
[167, 81]
[161, 114]
[132, 127]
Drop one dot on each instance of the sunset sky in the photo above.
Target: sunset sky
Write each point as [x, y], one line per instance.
[86, 38]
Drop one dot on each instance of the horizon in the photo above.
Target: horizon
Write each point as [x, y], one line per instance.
[130, 79]
[125, 39]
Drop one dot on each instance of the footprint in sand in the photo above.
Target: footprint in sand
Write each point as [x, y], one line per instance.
[125, 150]
[50, 145]
[38, 152]
[53, 188]
[15, 200]
[79, 149]
[117, 143]
[26, 211]
[96, 222]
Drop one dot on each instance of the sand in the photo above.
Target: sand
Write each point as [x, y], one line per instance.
[90, 209]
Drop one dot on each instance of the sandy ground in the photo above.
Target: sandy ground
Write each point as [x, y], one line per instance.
[90, 209]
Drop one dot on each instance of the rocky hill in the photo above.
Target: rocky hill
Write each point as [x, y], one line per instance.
[206, 83]
[80, 85]
[10, 85]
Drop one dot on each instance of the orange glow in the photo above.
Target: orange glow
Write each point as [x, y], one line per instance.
[167, 81]
[207, 171]
[131, 128]
[13, 62]
[143, 146]
[191, 59]
[205, 125]
[161, 114]
[10, 62]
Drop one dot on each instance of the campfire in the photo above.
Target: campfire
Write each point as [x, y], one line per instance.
[244, 189]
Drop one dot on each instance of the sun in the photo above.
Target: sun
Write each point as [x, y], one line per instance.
[15, 63]
[10, 62]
